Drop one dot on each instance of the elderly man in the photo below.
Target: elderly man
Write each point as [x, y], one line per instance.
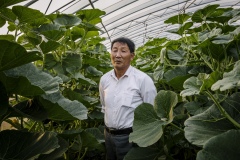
[121, 90]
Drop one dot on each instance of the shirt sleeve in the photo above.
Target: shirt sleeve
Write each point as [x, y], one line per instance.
[101, 94]
[148, 90]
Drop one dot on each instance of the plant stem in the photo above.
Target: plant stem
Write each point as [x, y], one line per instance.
[222, 110]
[180, 129]
[34, 124]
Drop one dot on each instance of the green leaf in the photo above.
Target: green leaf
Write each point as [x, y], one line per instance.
[96, 115]
[72, 95]
[13, 55]
[27, 80]
[209, 80]
[49, 46]
[71, 62]
[227, 147]
[91, 61]
[3, 100]
[51, 31]
[25, 145]
[90, 14]
[164, 103]
[184, 27]
[31, 109]
[90, 142]
[53, 35]
[147, 126]
[178, 19]
[146, 153]
[67, 20]
[82, 79]
[77, 32]
[200, 128]
[158, 73]
[7, 15]
[2, 22]
[177, 55]
[7, 37]
[48, 27]
[70, 134]
[223, 39]
[61, 108]
[6, 3]
[195, 108]
[26, 15]
[230, 79]
[91, 34]
[57, 153]
[96, 133]
[202, 14]
[177, 76]
[92, 70]
[191, 87]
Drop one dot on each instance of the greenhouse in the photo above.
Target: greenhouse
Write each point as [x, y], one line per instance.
[55, 99]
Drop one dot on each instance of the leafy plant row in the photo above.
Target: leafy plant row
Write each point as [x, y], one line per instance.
[196, 111]
[49, 72]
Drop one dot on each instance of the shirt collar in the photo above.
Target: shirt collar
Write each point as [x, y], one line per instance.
[125, 74]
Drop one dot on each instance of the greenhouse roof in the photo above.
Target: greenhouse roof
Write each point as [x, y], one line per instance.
[139, 20]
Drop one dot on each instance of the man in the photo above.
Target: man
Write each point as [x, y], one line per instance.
[121, 91]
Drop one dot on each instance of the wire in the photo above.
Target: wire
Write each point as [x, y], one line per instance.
[101, 21]
[48, 6]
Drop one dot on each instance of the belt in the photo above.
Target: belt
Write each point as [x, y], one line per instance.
[119, 131]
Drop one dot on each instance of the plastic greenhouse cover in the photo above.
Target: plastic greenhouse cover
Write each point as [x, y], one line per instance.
[136, 19]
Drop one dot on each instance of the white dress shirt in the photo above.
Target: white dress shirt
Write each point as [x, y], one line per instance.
[120, 97]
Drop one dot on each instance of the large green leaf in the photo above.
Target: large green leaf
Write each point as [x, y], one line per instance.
[147, 126]
[51, 31]
[178, 19]
[26, 15]
[230, 79]
[177, 55]
[146, 153]
[90, 142]
[61, 108]
[8, 15]
[16, 144]
[91, 61]
[27, 80]
[191, 87]
[202, 14]
[177, 76]
[200, 128]
[222, 147]
[57, 153]
[67, 20]
[164, 103]
[13, 55]
[90, 14]
[31, 109]
[8, 37]
[92, 70]
[49, 46]
[96, 133]
[72, 62]
[6, 3]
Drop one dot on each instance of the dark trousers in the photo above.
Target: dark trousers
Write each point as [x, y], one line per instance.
[117, 146]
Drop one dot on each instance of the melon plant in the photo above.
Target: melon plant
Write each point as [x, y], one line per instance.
[200, 71]
[49, 72]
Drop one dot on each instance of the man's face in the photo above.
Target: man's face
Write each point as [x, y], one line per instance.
[121, 56]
